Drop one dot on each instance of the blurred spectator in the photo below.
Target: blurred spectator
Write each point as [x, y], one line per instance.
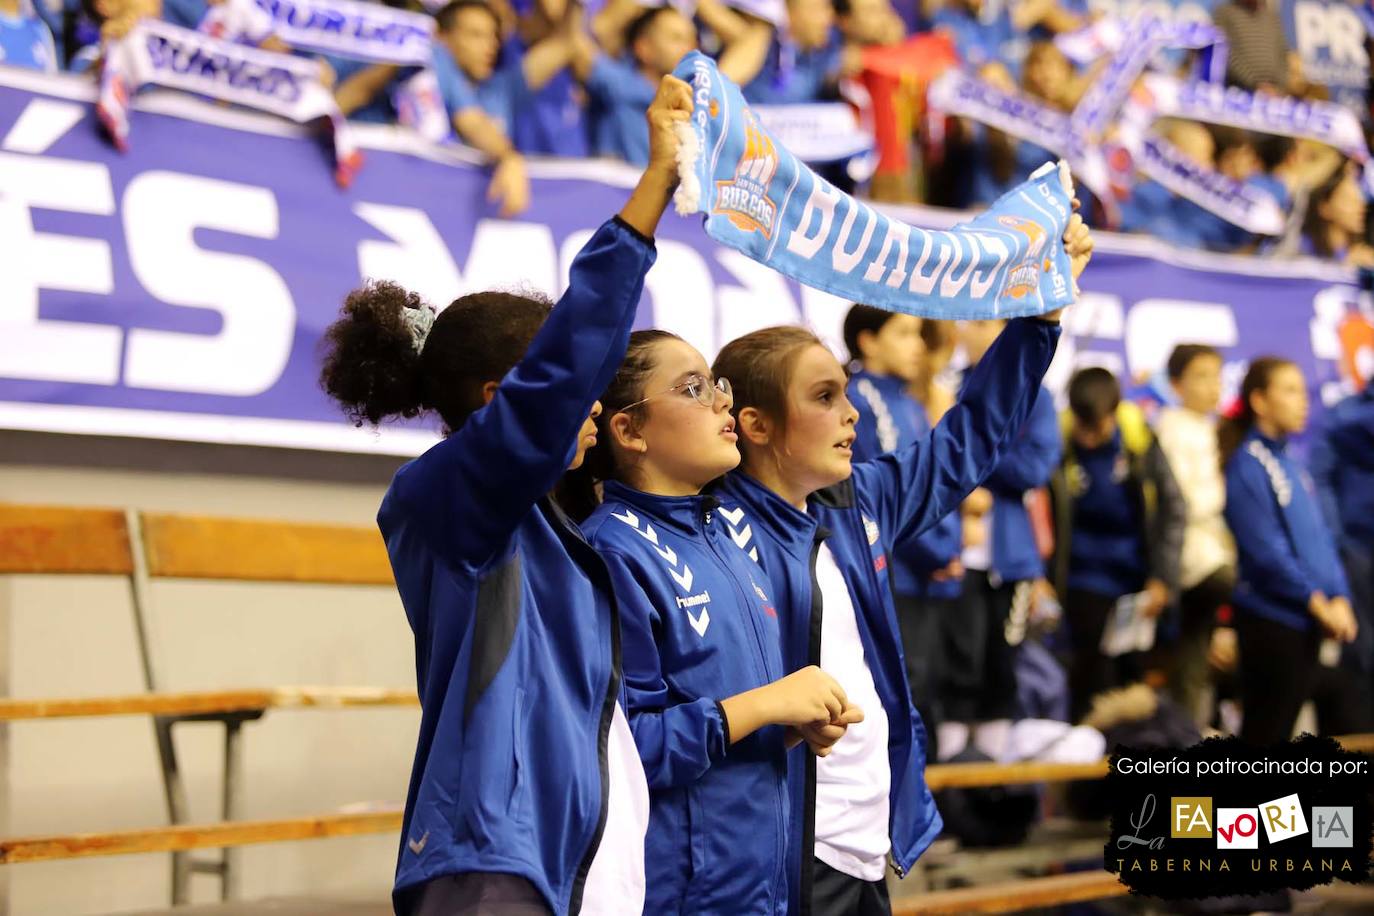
[979, 684]
[1188, 435]
[1342, 459]
[1291, 594]
[1004, 160]
[983, 33]
[1154, 209]
[1258, 58]
[1119, 521]
[869, 22]
[654, 41]
[1335, 222]
[25, 39]
[888, 350]
[804, 61]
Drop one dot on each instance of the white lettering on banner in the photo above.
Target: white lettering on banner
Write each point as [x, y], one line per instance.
[821, 201]
[922, 283]
[900, 234]
[1337, 29]
[1155, 326]
[999, 248]
[162, 211]
[44, 349]
[503, 254]
[845, 261]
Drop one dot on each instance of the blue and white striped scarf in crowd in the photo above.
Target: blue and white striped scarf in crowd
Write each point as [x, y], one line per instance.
[162, 54]
[1107, 138]
[348, 28]
[760, 199]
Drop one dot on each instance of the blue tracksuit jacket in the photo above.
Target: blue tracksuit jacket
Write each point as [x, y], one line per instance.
[1284, 550]
[887, 500]
[889, 419]
[516, 635]
[698, 625]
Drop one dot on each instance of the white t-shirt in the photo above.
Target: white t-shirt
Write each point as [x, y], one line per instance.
[853, 781]
[615, 882]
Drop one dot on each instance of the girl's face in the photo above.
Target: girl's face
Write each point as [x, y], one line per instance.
[1199, 387]
[1345, 207]
[679, 440]
[586, 437]
[1283, 404]
[817, 446]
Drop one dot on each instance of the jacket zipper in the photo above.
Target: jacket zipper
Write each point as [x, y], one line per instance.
[767, 679]
[813, 655]
[603, 730]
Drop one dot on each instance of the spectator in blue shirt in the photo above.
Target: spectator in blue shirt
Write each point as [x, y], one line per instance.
[1119, 521]
[983, 33]
[481, 93]
[1291, 593]
[25, 39]
[804, 61]
[654, 41]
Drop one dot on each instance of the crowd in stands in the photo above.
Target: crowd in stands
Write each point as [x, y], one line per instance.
[550, 77]
[1196, 520]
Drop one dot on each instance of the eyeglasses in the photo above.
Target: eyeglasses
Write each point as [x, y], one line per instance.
[699, 388]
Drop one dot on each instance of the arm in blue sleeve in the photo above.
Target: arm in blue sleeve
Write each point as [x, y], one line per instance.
[934, 548]
[1261, 538]
[677, 741]
[913, 488]
[1030, 458]
[866, 444]
[469, 492]
[1321, 461]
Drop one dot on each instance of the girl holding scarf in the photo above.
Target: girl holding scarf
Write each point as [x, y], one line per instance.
[1291, 594]
[709, 702]
[822, 530]
[526, 796]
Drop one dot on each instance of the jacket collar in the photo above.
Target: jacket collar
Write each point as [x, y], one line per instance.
[886, 384]
[788, 525]
[685, 513]
[1277, 446]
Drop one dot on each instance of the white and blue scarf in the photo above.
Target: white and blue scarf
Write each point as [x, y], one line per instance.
[162, 54]
[353, 29]
[759, 198]
[1108, 137]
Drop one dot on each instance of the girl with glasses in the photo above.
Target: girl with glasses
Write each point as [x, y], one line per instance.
[822, 529]
[526, 796]
[710, 705]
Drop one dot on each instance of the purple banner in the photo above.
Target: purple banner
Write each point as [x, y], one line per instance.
[180, 290]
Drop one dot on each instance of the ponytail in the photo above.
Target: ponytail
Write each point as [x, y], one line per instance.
[377, 365]
[1233, 429]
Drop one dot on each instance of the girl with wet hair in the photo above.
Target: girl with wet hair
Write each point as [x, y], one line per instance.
[710, 704]
[1291, 592]
[526, 795]
[822, 529]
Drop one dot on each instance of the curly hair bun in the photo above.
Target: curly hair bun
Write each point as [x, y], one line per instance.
[370, 364]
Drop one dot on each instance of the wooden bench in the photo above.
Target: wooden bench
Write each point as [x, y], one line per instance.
[110, 542]
[143, 547]
[1011, 896]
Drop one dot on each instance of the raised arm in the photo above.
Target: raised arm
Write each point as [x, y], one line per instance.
[915, 487]
[512, 451]
[1031, 456]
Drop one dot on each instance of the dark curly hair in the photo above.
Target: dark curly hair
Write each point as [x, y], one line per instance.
[370, 365]
[578, 493]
